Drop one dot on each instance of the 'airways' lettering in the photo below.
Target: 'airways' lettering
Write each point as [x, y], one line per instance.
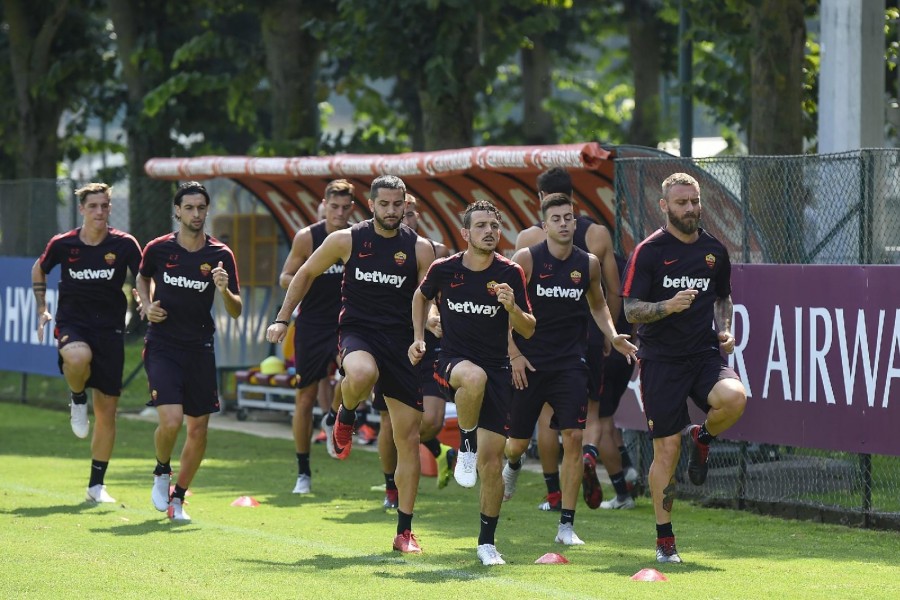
[379, 277]
[688, 283]
[92, 274]
[470, 307]
[183, 282]
[559, 292]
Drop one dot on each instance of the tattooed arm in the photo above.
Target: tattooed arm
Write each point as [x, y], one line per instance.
[638, 311]
[723, 310]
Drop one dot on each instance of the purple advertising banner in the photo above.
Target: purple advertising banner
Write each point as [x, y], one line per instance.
[818, 349]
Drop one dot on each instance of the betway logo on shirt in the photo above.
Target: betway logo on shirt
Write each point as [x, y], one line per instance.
[688, 283]
[335, 269]
[379, 277]
[470, 307]
[92, 274]
[183, 282]
[559, 292]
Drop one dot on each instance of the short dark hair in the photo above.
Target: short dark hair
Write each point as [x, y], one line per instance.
[388, 182]
[190, 187]
[555, 181]
[93, 188]
[479, 205]
[556, 199]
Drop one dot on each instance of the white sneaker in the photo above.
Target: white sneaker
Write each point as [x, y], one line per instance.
[97, 493]
[488, 555]
[79, 419]
[176, 510]
[566, 535]
[510, 478]
[466, 473]
[160, 493]
[615, 503]
[631, 475]
[329, 441]
[304, 484]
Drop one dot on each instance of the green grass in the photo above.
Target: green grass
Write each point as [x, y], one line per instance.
[336, 542]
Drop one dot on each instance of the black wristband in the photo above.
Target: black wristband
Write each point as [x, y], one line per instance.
[280, 322]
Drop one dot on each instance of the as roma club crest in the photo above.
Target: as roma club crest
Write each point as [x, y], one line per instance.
[576, 277]
[205, 268]
[492, 288]
[710, 260]
[400, 258]
[110, 258]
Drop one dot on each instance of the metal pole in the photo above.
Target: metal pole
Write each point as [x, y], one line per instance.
[865, 468]
[686, 78]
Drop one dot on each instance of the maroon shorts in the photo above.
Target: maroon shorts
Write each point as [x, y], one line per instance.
[107, 355]
[564, 390]
[315, 353]
[182, 376]
[498, 393]
[595, 360]
[397, 378]
[616, 375]
[666, 386]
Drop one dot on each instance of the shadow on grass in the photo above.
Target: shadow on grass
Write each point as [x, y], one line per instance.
[145, 527]
[329, 562]
[60, 509]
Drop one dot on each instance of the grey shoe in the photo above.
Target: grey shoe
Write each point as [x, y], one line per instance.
[488, 555]
[304, 484]
[510, 478]
[160, 493]
[615, 503]
[566, 535]
[666, 552]
[79, 420]
[97, 493]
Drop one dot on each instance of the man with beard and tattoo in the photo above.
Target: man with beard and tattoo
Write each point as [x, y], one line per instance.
[480, 295]
[677, 282]
[383, 262]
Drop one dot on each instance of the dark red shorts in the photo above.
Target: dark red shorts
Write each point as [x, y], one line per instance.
[182, 376]
[498, 393]
[616, 375]
[397, 378]
[564, 390]
[666, 386]
[107, 355]
[315, 353]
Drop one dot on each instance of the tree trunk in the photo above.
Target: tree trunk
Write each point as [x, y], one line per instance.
[447, 120]
[776, 74]
[292, 62]
[30, 220]
[537, 85]
[149, 199]
[776, 118]
[644, 53]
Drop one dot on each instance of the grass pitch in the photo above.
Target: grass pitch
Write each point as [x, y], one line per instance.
[336, 542]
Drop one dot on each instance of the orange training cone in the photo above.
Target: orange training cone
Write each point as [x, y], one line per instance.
[552, 558]
[245, 501]
[649, 575]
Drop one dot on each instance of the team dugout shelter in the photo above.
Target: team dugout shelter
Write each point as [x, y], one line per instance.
[286, 192]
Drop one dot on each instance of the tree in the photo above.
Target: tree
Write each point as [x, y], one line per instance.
[54, 52]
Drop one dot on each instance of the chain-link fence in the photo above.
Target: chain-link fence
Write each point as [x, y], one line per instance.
[828, 209]
[825, 209]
